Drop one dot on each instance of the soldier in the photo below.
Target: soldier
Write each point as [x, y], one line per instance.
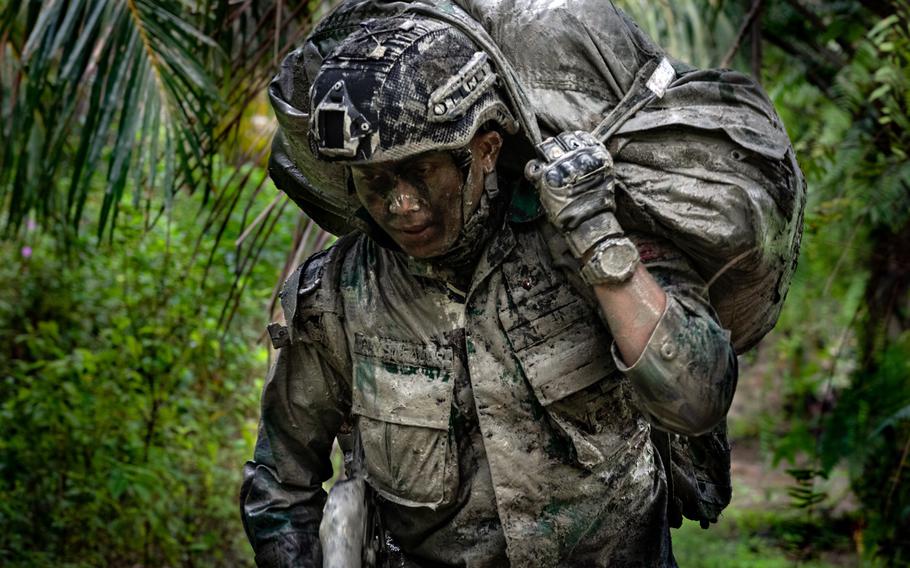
[500, 367]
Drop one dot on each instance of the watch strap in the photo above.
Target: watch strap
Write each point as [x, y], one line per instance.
[592, 231]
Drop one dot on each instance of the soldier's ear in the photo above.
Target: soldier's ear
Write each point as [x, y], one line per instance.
[486, 147]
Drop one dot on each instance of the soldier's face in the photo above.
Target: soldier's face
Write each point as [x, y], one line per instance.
[419, 201]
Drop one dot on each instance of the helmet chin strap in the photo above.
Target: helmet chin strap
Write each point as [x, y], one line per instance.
[464, 159]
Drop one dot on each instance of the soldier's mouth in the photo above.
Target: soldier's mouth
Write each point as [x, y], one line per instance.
[412, 230]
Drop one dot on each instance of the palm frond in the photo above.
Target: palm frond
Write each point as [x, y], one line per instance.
[102, 97]
[99, 90]
[105, 100]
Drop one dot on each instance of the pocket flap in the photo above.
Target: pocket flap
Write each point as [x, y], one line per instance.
[567, 363]
[403, 382]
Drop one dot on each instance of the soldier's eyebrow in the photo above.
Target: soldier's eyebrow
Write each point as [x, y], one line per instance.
[431, 159]
[434, 158]
[371, 170]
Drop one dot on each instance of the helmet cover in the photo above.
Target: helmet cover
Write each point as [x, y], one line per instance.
[399, 87]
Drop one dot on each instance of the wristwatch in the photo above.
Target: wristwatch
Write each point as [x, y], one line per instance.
[613, 262]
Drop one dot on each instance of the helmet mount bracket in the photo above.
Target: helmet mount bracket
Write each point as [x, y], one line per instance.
[340, 127]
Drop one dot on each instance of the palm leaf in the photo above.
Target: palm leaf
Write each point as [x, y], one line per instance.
[111, 95]
[102, 100]
[94, 78]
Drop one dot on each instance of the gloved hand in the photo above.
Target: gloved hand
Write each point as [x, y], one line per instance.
[576, 189]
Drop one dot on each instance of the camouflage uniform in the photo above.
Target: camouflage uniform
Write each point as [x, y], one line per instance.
[497, 425]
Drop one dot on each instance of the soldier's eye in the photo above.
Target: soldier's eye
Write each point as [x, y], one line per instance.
[421, 166]
[373, 180]
[423, 169]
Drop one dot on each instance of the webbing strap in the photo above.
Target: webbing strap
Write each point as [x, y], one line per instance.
[650, 84]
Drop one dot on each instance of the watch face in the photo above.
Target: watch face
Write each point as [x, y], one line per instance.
[615, 262]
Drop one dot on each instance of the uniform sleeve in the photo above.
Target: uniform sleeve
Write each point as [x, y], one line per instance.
[686, 376]
[303, 407]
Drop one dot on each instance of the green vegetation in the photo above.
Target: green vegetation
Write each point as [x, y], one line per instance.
[844, 339]
[130, 365]
[127, 408]
[728, 546]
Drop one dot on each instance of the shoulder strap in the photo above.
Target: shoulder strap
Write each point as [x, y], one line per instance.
[312, 288]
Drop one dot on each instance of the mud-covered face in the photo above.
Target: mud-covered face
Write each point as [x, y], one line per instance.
[421, 202]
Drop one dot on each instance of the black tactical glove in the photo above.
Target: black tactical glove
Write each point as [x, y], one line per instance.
[576, 189]
[290, 550]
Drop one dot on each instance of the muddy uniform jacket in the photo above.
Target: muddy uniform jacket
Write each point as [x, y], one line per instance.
[496, 423]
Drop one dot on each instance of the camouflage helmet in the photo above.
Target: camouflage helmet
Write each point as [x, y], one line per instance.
[402, 86]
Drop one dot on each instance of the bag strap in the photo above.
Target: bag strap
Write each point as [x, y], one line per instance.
[650, 84]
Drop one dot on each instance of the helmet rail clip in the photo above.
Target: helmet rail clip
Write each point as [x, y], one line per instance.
[339, 127]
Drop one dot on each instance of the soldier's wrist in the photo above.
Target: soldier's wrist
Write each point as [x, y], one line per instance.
[585, 237]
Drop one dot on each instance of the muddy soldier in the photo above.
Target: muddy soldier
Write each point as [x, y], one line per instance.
[501, 349]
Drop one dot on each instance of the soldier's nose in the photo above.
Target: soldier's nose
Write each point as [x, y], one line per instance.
[404, 202]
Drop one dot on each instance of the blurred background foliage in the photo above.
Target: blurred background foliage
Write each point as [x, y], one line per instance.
[126, 407]
[141, 246]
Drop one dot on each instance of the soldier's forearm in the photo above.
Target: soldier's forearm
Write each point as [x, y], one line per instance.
[678, 359]
[632, 309]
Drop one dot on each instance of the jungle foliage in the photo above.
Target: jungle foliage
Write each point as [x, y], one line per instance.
[130, 364]
[126, 408]
[846, 333]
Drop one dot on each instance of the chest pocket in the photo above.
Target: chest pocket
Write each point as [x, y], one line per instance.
[559, 340]
[402, 397]
[564, 352]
